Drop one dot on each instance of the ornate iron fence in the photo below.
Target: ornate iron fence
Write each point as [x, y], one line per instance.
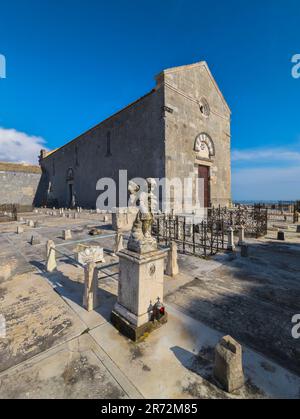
[200, 239]
[254, 219]
[208, 236]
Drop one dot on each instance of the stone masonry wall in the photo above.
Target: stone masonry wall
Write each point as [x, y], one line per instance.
[18, 185]
[136, 144]
[184, 89]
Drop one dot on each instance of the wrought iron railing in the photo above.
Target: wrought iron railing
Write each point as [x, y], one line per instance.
[209, 235]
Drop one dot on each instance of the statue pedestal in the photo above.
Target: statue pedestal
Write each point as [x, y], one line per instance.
[141, 283]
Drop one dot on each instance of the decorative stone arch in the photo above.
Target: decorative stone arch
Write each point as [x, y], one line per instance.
[204, 146]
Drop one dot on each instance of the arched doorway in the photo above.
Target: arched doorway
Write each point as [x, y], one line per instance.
[205, 152]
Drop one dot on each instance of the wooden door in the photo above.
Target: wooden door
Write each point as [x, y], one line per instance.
[204, 174]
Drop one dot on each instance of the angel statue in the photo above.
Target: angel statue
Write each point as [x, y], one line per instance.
[141, 240]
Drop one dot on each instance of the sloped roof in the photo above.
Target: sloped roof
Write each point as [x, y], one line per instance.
[190, 66]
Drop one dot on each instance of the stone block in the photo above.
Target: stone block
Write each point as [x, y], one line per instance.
[141, 283]
[20, 230]
[228, 367]
[281, 236]
[67, 235]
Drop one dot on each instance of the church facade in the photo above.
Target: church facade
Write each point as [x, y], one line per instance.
[181, 129]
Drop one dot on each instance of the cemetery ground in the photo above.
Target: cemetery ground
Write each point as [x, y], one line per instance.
[54, 348]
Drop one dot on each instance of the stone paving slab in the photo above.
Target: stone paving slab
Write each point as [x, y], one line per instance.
[176, 361]
[36, 319]
[68, 283]
[253, 299]
[71, 371]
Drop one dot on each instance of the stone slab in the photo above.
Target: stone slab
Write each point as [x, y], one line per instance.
[36, 319]
[74, 370]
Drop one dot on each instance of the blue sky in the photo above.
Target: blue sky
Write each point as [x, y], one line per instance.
[70, 64]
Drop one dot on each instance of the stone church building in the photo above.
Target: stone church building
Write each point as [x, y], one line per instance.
[180, 129]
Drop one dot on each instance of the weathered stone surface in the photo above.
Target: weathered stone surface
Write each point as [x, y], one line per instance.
[87, 254]
[90, 298]
[172, 263]
[228, 368]
[169, 119]
[18, 183]
[141, 282]
[51, 256]
[36, 319]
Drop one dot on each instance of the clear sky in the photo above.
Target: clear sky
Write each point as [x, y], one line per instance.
[71, 63]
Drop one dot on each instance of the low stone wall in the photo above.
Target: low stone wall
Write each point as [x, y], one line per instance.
[18, 183]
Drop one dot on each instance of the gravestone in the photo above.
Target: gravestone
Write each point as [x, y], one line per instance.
[51, 256]
[172, 264]
[90, 300]
[228, 368]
